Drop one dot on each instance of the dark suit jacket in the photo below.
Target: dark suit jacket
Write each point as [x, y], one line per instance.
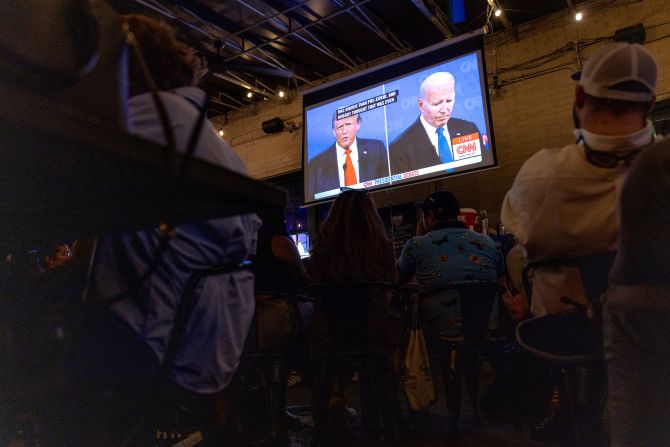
[412, 149]
[323, 169]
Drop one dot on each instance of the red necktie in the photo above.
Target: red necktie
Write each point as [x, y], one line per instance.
[349, 171]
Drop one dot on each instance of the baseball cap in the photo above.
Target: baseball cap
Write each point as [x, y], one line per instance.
[619, 70]
[442, 203]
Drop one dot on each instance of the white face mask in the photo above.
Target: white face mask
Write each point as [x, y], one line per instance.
[616, 143]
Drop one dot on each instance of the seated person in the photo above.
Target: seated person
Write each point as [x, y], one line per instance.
[143, 274]
[278, 274]
[442, 253]
[563, 203]
[637, 310]
[352, 245]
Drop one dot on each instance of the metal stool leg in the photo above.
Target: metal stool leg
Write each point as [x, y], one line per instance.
[451, 373]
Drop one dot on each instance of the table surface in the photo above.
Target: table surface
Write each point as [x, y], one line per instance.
[65, 175]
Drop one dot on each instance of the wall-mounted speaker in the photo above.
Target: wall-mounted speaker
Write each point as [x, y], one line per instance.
[631, 34]
[275, 125]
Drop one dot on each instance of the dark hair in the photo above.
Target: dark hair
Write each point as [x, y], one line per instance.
[170, 62]
[443, 204]
[335, 118]
[352, 243]
[618, 107]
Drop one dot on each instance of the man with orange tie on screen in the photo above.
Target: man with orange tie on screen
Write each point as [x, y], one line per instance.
[430, 140]
[349, 160]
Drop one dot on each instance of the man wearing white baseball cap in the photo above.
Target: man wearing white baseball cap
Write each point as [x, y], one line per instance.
[563, 203]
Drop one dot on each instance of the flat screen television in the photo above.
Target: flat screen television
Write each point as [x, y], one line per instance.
[380, 128]
[301, 240]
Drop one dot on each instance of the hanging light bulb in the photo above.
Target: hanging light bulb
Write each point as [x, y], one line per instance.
[281, 93]
[579, 16]
[498, 13]
[221, 132]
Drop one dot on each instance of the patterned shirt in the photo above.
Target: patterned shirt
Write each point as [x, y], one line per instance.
[451, 255]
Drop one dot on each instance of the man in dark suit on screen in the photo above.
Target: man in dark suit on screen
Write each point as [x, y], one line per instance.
[429, 140]
[349, 160]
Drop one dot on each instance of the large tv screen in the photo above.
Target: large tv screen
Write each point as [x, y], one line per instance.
[418, 118]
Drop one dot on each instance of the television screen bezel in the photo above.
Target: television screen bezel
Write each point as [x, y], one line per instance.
[396, 69]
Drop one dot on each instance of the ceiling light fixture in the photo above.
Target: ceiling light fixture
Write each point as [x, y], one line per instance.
[250, 94]
[221, 132]
[281, 93]
[498, 13]
[579, 16]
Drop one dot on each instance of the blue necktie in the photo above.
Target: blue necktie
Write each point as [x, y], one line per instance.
[443, 146]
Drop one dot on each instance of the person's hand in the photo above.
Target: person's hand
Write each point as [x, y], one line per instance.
[516, 305]
[63, 254]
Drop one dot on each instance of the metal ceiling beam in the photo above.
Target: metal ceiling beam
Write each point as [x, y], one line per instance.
[232, 98]
[257, 82]
[297, 30]
[436, 16]
[316, 43]
[231, 40]
[207, 15]
[225, 104]
[268, 19]
[372, 22]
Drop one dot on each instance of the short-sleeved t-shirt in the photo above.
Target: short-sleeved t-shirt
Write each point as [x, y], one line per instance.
[451, 255]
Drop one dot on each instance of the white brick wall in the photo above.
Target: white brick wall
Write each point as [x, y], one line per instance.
[534, 113]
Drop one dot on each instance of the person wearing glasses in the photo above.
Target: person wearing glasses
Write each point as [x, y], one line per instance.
[563, 203]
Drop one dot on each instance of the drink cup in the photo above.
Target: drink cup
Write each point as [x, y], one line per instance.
[470, 217]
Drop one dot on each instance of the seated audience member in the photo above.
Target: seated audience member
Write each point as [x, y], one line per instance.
[278, 275]
[352, 245]
[637, 309]
[277, 265]
[143, 274]
[563, 203]
[442, 253]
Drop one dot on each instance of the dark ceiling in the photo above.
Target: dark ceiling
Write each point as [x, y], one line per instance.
[268, 46]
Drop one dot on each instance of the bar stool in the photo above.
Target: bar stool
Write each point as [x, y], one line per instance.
[572, 341]
[459, 355]
[343, 348]
[265, 365]
[175, 409]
